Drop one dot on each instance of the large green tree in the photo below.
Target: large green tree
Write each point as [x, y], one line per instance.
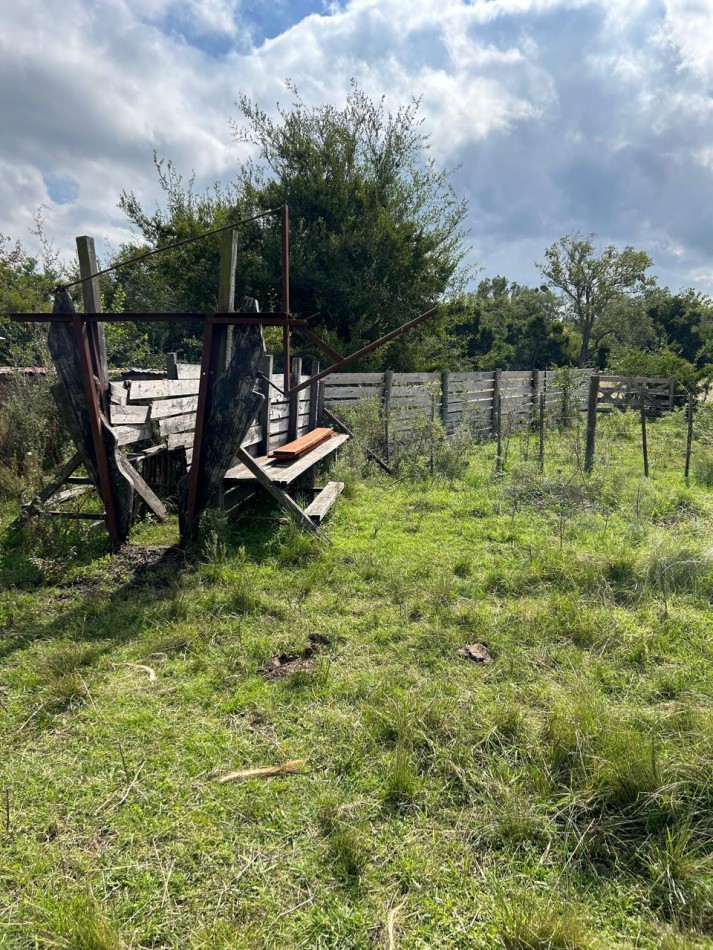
[592, 284]
[376, 229]
[508, 326]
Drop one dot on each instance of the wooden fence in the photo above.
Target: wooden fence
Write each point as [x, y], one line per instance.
[161, 406]
[470, 399]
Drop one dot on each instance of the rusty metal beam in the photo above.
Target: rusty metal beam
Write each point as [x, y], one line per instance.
[232, 319]
[318, 342]
[365, 350]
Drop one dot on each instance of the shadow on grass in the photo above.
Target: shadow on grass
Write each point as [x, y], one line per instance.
[108, 597]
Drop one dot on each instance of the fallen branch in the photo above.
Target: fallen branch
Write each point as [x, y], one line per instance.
[270, 771]
[146, 669]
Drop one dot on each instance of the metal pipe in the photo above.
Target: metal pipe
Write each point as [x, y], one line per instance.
[369, 348]
[285, 241]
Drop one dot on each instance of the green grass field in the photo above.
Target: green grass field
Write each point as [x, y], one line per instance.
[558, 797]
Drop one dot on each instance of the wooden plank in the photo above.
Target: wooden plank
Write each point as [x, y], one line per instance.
[349, 379]
[183, 423]
[401, 378]
[176, 439]
[129, 415]
[164, 408]
[318, 509]
[280, 496]
[161, 388]
[188, 371]
[91, 294]
[127, 435]
[297, 448]
[286, 475]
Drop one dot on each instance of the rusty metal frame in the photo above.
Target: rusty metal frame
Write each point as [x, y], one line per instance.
[86, 332]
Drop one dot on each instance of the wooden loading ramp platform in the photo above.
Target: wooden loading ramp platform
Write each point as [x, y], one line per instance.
[285, 472]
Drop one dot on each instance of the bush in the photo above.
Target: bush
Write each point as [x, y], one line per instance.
[32, 436]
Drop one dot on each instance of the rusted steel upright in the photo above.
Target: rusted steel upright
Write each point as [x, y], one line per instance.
[95, 425]
[285, 234]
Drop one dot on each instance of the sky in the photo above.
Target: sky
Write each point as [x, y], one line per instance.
[556, 115]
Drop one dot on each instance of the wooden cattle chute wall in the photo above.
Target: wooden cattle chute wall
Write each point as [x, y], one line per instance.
[161, 408]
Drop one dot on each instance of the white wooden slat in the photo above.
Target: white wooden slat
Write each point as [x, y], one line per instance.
[162, 388]
[129, 415]
[188, 370]
[163, 408]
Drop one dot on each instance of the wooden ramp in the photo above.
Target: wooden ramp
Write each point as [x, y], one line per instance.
[284, 472]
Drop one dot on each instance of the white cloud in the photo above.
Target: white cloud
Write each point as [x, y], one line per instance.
[590, 114]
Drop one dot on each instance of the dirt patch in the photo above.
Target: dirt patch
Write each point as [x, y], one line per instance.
[285, 664]
[476, 653]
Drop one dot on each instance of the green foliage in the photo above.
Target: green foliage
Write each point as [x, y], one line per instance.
[376, 229]
[26, 284]
[32, 436]
[592, 284]
[508, 326]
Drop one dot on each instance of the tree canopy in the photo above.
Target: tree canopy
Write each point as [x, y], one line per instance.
[376, 230]
[591, 284]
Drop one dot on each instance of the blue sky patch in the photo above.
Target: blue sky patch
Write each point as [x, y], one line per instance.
[62, 189]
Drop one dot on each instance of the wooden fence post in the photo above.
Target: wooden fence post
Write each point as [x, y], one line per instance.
[445, 385]
[312, 370]
[172, 365]
[689, 437]
[266, 409]
[388, 383]
[542, 431]
[644, 444]
[93, 304]
[591, 422]
[294, 404]
[495, 408]
[499, 431]
[535, 393]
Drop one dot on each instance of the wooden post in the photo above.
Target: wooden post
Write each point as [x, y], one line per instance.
[285, 240]
[445, 385]
[313, 369]
[591, 422]
[388, 383]
[644, 443]
[535, 393]
[171, 365]
[542, 431]
[689, 437]
[494, 407]
[266, 409]
[294, 400]
[499, 433]
[320, 402]
[92, 304]
[223, 336]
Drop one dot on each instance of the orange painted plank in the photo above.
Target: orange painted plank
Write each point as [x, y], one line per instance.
[298, 448]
